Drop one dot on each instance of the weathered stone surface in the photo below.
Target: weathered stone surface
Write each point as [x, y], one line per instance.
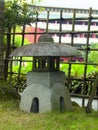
[46, 49]
[45, 38]
[49, 89]
[48, 78]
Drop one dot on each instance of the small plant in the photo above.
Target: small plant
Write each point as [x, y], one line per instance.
[7, 91]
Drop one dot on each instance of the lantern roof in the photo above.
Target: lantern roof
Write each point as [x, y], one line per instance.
[45, 49]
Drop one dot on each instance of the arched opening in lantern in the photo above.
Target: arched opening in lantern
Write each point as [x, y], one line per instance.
[35, 105]
[62, 104]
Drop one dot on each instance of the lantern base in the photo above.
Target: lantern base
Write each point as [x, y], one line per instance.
[45, 92]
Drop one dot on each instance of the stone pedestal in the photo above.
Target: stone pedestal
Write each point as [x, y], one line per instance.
[45, 92]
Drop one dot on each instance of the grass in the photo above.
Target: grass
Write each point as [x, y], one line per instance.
[11, 118]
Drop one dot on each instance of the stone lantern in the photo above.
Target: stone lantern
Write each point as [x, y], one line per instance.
[46, 90]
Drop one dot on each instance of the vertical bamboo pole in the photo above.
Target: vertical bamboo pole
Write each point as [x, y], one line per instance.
[20, 61]
[72, 41]
[86, 57]
[36, 26]
[60, 29]
[47, 22]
